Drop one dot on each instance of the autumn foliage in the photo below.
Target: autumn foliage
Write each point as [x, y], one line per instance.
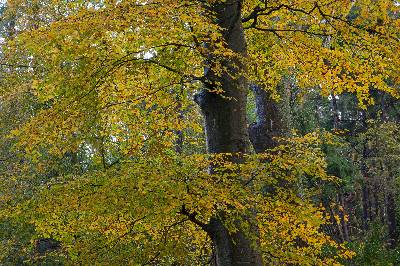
[107, 146]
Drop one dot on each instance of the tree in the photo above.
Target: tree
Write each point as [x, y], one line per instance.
[107, 75]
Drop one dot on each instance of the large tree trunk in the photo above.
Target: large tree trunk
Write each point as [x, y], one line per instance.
[273, 120]
[226, 128]
[273, 117]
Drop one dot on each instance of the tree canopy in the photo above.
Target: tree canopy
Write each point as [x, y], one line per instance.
[104, 149]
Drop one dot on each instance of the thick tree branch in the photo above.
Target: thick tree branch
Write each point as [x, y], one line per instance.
[192, 217]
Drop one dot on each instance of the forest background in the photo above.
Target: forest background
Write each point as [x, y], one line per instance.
[196, 132]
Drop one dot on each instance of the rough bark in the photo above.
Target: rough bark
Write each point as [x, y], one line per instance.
[226, 128]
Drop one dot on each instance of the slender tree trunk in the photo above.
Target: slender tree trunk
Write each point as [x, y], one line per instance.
[226, 128]
[375, 197]
[364, 172]
[336, 230]
[335, 113]
[180, 137]
[391, 211]
[342, 214]
[390, 197]
[365, 207]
